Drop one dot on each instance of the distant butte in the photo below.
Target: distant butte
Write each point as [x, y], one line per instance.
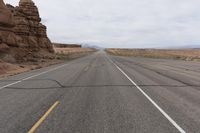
[22, 35]
[23, 1]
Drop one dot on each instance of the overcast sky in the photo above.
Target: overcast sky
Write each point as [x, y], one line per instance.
[122, 23]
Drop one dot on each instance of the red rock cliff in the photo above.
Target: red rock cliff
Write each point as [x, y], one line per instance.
[7, 36]
[21, 27]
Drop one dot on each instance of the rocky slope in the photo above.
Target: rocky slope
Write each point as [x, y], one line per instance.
[22, 35]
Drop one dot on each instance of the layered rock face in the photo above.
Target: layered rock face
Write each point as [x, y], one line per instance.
[21, 27]
[7, 36]
[28, 26]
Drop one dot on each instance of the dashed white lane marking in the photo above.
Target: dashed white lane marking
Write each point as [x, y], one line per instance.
[32, 76]
[149, 98]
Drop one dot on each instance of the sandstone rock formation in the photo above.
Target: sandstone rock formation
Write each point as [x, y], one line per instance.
[21, 27]
[28, 26]
[7, 36]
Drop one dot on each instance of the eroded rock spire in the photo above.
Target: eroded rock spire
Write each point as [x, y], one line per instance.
[7, 36]
[21, 30]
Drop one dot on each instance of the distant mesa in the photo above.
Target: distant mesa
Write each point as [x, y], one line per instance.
[61, 45]
[21, 30]
[24, 1]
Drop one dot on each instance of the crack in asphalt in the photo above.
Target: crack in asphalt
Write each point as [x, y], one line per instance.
[60, 85]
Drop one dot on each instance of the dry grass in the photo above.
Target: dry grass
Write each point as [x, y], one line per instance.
[184, 54]
[71, 53]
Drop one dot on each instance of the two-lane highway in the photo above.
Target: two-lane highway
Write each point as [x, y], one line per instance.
[103, 94]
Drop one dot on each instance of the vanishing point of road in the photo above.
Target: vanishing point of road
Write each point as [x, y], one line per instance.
[100, 93]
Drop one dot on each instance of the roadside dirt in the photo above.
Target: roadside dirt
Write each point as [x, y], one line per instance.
[180, 54]
[61, 55]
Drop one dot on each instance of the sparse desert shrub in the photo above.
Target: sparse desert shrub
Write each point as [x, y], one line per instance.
[184, 54]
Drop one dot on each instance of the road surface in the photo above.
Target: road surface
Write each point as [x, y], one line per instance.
[100, 93]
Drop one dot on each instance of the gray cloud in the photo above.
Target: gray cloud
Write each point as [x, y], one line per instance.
[122, 23]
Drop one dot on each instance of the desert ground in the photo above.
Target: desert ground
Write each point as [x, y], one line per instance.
[61, 55]
[181, 54]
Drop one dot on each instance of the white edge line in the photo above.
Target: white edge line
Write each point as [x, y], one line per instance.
[151, 100]
[33, 76]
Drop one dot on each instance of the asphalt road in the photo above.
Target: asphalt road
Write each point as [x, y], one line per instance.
[103, 94]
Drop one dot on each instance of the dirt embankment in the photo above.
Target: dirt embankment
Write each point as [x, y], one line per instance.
[182, 54]
[9, 69]
[61, 55]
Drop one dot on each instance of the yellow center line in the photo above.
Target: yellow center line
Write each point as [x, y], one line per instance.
[34, 128]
